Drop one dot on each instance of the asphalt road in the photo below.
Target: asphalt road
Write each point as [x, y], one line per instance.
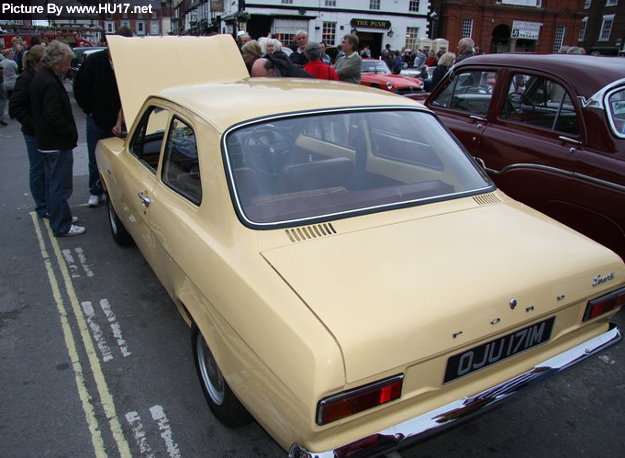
[96, 361]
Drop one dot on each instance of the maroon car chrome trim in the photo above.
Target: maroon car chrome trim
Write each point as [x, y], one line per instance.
[597, 100]
[580, 176]
[448, 415]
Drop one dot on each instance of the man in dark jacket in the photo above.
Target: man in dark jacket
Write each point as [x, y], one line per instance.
[298, 57]
[95, 90]
[56, 135]
[20, 107]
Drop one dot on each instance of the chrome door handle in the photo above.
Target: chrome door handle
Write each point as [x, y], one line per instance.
[477, 118]
[145, 200]
[572, 141]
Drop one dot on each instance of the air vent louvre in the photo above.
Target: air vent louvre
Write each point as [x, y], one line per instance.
[487, 199]
[300, 234]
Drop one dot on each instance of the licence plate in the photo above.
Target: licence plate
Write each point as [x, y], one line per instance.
[497, 350]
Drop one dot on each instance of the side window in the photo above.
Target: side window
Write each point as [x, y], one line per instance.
[181, 171]
[337, 129]
[469, 91]
[541, 102]
[616, 111]
[148, 138]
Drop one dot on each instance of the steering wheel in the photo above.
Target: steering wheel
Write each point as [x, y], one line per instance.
[269, 149]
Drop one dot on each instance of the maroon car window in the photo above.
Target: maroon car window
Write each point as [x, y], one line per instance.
[540, 102]
[469, 91]
[616, 111]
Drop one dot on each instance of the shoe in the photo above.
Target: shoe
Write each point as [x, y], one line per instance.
[2, 123]
[75, 219]
[94, 201]
[74, 230]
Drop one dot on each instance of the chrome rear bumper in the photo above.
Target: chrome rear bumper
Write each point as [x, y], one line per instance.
[439, 419]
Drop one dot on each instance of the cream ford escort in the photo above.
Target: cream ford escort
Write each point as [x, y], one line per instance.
[353, 280]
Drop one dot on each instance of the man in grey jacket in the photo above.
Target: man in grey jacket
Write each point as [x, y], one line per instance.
[349, 66]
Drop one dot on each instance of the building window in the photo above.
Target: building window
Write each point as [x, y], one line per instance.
[374, 4]
[587, 4]
[154, 30]
[412, 33]
[140, 27]
[126, 24]
[285, 29]
[413, 6]
[611, 2]
[606, 27]
[582, 31]
[287, 2]
[109, 27]
[467, 27]
[559, 38]
[330, 2]
[328, 34]
[154, 15]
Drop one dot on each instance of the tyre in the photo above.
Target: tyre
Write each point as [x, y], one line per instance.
[221, 400]
[120, 234]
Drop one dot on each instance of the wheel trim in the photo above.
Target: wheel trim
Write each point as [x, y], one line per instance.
[211, 375]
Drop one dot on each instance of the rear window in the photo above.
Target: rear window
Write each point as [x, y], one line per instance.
[616, 111]
[324, 165]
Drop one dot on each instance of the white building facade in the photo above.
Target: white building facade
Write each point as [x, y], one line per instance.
[398, 23]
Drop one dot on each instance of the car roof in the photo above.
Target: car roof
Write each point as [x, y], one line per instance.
[226, 104]
[586, 74]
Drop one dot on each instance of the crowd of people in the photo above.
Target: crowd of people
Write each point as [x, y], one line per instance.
[305, 59]
[40, 103]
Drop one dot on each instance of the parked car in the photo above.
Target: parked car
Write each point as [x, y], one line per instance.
[375, 73]
[352, 278]
[80, 54]
[550, 130]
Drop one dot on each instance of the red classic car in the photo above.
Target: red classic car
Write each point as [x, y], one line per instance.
[375, 73]
[550, 130]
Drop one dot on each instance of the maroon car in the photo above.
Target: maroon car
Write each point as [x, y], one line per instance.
[550, 130]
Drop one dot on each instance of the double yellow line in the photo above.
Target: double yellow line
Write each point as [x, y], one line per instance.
[70, 342]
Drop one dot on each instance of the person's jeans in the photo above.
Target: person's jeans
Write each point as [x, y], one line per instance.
[58, 168]
[37, 175]
[94, 134]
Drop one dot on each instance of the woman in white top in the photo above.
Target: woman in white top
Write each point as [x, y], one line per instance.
[10, 72]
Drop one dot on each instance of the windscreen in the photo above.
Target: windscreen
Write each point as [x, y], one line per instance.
[324, 165]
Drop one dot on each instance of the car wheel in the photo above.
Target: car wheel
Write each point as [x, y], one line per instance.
[221, 400]
[120, 234]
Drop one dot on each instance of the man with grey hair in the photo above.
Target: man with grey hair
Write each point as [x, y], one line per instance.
[298, 57]
[349, 66]
[56, 135]
[466, 48]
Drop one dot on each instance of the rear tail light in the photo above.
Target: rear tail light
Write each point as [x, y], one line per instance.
[357, 400]
[605, 304]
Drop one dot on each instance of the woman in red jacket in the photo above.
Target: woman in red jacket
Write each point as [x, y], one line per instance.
[315, 66]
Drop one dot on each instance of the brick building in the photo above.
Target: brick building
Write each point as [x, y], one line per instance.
[510, 25]
[603, 27]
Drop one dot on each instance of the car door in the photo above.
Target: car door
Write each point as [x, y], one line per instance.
[531, 147]
[599, 184]
[176, 219]
[463, 103]
[138, 179]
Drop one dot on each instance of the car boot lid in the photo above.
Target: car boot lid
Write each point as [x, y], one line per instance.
[396, 294]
